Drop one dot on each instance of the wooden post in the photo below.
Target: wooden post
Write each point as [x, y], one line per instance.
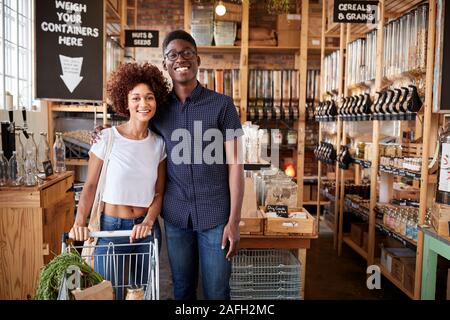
[338, 139]
[322, 81]
[123, 21]
[51, 127]
[243, 64]
[375, 138]
[302, 102]
[344, 142]
[426, 141]
[187, 15]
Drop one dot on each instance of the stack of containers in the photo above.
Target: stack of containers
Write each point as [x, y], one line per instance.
[202, 24]
[265, 274]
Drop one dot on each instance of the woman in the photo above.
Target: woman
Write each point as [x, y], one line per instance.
[135, 176]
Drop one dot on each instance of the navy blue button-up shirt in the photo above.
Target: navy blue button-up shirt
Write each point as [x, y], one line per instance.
[195, 188]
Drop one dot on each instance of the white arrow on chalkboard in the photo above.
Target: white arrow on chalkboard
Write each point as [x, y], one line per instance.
[71, 68]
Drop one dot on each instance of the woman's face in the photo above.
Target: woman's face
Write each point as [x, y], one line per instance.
[141, 103]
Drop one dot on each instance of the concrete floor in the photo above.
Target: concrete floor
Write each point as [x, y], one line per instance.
[327, 275]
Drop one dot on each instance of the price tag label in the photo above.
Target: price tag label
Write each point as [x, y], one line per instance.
[280, 210]
[48, 168]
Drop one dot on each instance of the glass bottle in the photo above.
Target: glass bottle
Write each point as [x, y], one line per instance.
[30, 169]
[30, 145]
[14, 171]
[409, 225]
[414, 229]
[20, 151]
[3, 169]
[43, 152]
[59, 152]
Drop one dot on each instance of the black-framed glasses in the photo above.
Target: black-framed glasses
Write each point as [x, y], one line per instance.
[187, 54]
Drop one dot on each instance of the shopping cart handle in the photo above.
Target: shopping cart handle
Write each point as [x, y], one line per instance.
[112, 234]
[103, 234]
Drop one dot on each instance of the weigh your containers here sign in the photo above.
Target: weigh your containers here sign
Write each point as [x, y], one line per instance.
[69, 49]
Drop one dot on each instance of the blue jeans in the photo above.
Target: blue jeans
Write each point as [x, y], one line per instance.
[184, 248]
[129, 265]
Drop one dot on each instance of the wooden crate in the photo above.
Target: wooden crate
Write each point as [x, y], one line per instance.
[252, 223]
[412, 150]
[409, 273]
[357, 232]
[440, 219]
[252, 220]
[290, 226]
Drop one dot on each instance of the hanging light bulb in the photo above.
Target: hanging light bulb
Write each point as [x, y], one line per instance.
[220, 9]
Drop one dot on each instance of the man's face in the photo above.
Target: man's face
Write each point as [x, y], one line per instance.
[181, 61]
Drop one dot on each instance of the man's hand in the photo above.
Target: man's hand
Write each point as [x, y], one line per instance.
[231, 235]
[96, 133]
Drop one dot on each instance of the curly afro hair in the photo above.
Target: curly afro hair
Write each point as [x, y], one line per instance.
[128, 76]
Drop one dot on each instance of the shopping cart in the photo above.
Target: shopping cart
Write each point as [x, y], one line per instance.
[124, 269]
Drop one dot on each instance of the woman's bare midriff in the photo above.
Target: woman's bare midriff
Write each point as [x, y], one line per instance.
[124, 212]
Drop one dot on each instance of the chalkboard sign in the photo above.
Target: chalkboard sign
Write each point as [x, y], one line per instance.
[142, 38]
[69, 50]
[355, 11]
[281, 211]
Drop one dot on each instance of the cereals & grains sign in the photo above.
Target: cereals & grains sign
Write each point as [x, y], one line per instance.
[355, 11]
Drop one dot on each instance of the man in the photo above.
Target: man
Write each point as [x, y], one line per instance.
[202, 200]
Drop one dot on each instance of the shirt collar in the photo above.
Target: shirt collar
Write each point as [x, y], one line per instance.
[195, 94]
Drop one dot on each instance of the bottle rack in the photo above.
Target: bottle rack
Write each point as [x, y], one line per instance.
[386, 89]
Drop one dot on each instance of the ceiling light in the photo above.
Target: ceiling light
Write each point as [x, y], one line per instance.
[220, 9]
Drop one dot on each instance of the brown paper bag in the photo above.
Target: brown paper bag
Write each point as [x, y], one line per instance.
[101, 291]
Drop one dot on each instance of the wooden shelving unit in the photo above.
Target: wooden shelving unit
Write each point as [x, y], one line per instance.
[388, 9]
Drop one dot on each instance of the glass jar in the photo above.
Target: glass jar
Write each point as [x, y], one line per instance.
[135, 293]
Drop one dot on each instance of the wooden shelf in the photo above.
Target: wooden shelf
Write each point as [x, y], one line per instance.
[77, 162]
[395, 235]
[406, 174]
[218, 49]
[397, 283]
[76, 108]
[313, 203]
[354, 246]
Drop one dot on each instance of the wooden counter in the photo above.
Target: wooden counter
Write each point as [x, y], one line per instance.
[32, 220]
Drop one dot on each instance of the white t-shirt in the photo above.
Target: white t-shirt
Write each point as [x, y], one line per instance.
[132, 169]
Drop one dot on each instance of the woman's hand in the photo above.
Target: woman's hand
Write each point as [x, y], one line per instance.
[79, 232]
[141, 231]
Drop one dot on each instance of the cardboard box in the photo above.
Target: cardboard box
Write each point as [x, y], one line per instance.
[288, 38]
[289, 22]
[388, 254]
[356, 232]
